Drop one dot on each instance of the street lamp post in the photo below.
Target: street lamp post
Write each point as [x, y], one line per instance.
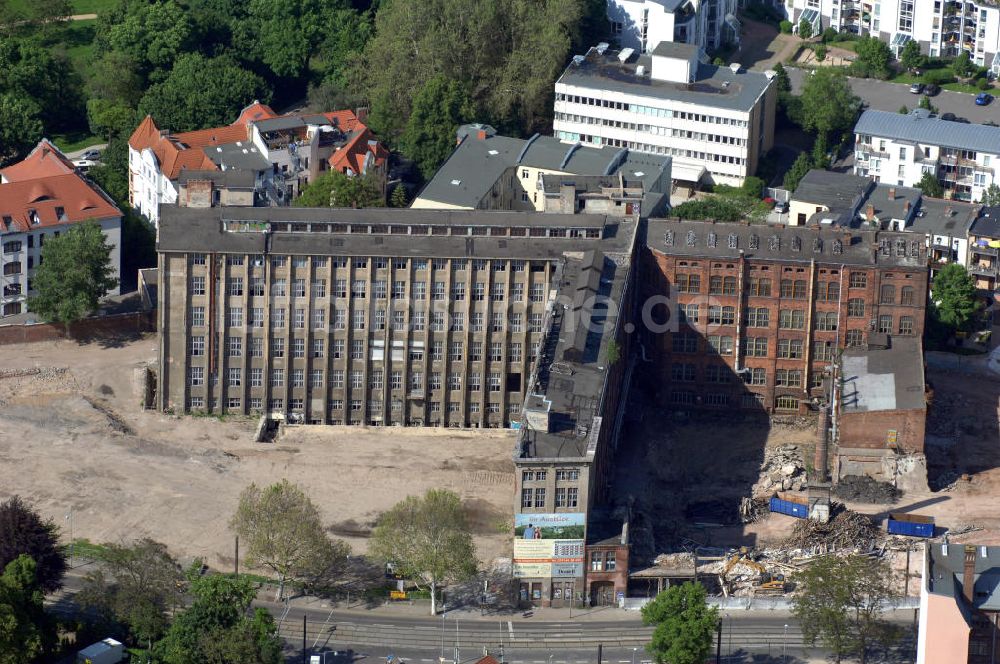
[69, 517]
[784, 641]
[729, 645]
[633, 654]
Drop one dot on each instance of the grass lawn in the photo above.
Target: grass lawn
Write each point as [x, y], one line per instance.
[92, 6]
[76, 141]
[965, 87]
[78, 38]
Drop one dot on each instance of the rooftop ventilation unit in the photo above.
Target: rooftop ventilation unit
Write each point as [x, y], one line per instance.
[735, 67]
[456, 182]
[602, 47]
[578, 59]
[640, 70]
[625, 54]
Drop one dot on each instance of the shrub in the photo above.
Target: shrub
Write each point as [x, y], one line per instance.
[938, 76]
[805, 29]
[786, 27]
[982, 84]
[820, 52]
[829, 35]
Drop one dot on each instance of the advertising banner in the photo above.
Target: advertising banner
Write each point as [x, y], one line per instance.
[546, 570]
[568, 525]
[548, 558]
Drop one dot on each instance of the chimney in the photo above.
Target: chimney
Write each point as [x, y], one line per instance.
[892, 193]
[820, 462]
[481, 134]
[870, 212]
[969, 573]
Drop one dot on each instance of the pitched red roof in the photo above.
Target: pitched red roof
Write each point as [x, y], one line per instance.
[44, 160]
[33, 189]
[353, 154]
[254, 112]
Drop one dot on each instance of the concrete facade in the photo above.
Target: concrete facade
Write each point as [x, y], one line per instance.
[643, 24]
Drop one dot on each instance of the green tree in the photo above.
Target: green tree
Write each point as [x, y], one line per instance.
[74, 274]
[138, 585]
[202, 92]
[20, 127]
[873, 56]
[963, 66]
[24, 532]
[828, 105]
[429, 136]
[335, 189]
[801, 166]
[930, 186]
[110, 118]
[954, 297]
[910, 57]
[840, 604]
[427, 538]
[991, 195]
[925, 103]
[114, 77]
[152, 34]
[903, 110]
[284, 533]
[26, 632]
[44, 76]
[399, 199]
[753, 186]
[216, 628]
[820, 51]
[805, 29]
[683, 625]
[782, 81]
[785, 26]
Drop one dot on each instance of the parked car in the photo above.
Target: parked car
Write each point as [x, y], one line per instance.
[916, 88]
[84, 165]
[781, 207]
[932, 90]
[983, 98]
[91, 155]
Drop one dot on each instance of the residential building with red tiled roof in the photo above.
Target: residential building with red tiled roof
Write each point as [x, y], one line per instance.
[40, 197]
[282, 153]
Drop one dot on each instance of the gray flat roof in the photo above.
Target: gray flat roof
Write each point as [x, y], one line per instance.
[243, 156]
[941, 217]
[714, 86]
[884, 379]
[201, 230]
[282, 123]
[919, 127]
[476, 165]
[672, 49]
[900, 205]
[946, 571]
[833, 190]
[232, 178]
[712, 240]
[988, 223]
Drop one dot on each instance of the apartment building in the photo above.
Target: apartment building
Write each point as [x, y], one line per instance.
[642, 24]
[41, 197]
[759, 313]
[279, 154]
[491, 172]
[944, 28]
[959, 604]
[984, 247]
[895, 148]
[945, 226]
[714, 122]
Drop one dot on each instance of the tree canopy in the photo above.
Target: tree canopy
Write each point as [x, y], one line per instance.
[438, 109]
[910, 57]
[929, 186]
[283, 533]
[954, 297]
[24, 532]
[683, 625]
[828, 105]
[216, 628]
[26, 632]
[991, 195]
[75, 273]
[873, 57]
[202, 92]
[335, 189]
[138, 585]
[840, 603]
[427, 538]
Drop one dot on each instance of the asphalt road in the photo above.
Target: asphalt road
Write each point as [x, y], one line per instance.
[885, 96]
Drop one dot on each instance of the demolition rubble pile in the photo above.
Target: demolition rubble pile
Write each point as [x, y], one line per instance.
[753, 510]
[782, 470]
[864, 489]
[846, 531]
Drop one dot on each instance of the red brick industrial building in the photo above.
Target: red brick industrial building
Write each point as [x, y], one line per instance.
[752, 316]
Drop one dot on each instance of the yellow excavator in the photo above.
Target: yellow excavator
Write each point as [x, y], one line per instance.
[767, 583]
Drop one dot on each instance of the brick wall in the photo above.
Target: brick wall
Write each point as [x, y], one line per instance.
[870, 430]
[102, 326]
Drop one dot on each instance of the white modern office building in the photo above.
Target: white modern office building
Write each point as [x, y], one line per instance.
[942, 27]
[714, 122]
[643, 24]
[899, 149]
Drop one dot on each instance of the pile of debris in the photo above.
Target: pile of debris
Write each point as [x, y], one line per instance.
[682, 560]
[846, 530]
[783, 470]
[864, 489]
[753, 510]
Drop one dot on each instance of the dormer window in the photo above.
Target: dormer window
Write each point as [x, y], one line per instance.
[60, 213]
[33, 216]
[7, 221]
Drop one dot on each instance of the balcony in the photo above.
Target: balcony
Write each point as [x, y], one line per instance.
[983, 269]
[984, 251]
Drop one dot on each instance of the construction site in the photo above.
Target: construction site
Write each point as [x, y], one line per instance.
[730, 498]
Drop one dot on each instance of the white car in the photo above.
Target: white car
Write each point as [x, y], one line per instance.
[84, 165]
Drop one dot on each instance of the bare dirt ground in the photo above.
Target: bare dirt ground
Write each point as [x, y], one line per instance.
[72, 437]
